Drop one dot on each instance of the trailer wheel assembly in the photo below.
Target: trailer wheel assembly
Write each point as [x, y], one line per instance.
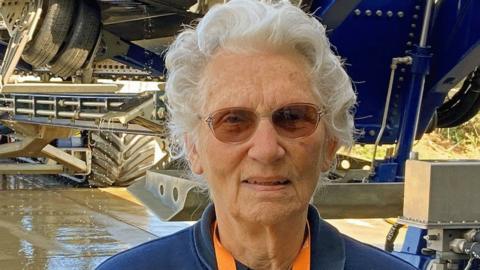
[464, 105]
[80, 42]
[120, 159]
[53, 28]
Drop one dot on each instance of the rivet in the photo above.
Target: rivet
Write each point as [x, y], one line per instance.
[402, 69]
[415, 16]
[413, 25]
[409, 43]
[357, 12]
[379, 13]
[400, 79]
[411, 34]
[372, 132]
[417, 7]
[389, 13]
[400, 14]
[368, 12]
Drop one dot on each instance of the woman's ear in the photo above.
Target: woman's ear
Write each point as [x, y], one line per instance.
[331, 147]
[192, 155]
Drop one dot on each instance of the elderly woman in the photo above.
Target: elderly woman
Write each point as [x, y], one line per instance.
[261, 105]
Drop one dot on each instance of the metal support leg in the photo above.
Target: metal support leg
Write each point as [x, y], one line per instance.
[420, 66]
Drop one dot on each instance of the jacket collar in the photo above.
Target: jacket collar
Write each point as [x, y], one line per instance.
[327, 251]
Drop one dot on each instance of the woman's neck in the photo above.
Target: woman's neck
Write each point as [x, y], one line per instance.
[263, 246]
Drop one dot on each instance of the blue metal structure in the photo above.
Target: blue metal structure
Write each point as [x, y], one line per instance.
[372, 34]
[443, 41]
[412, 248]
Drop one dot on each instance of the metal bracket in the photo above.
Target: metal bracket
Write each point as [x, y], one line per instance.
[21, 26]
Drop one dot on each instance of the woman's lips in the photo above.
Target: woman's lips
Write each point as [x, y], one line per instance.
[267, 184]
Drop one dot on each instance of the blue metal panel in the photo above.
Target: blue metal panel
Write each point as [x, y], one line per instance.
[143, 59]
[377, 31]
[412, 248]
[368, 42]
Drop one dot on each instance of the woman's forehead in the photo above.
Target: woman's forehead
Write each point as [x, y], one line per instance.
[261, 79]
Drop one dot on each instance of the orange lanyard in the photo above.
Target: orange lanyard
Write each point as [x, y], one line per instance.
[225, 260]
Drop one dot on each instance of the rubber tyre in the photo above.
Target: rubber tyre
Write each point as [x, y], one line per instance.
[120, 159]
[79, 44]
[51, 32]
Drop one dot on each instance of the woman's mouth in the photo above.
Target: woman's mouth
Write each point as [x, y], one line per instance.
[266, 184]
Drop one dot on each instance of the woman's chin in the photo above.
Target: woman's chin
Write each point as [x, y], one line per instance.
[270, 213]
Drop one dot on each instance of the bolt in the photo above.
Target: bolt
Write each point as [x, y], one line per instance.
[389, 13]
[400, 14]
[368, 12]
[431, 237]
[357, 12]
[379, 13]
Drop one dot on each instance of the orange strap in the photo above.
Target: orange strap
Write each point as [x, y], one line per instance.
[225, 260]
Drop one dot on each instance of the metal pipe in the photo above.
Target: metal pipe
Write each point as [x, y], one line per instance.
[6, 109]
[426, 23]
[45, 113]
[22, 100]
[101, 104]
[67, 103]
[70, 103]
[75, 115]
[46, 102]
[409, 126]
[78, 115]
[395, 62]
[24, 110]
[422, 44]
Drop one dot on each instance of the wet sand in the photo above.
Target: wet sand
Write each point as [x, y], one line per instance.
[45, 224]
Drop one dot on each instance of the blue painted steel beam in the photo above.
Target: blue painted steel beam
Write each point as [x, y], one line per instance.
[333, 12]
[420, 67]
[412, 248]
[143, 59]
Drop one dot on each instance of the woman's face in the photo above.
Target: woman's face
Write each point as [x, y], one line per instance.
[268, 177]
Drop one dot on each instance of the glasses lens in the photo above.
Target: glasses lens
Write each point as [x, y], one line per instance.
[295, 121]
[233, 125]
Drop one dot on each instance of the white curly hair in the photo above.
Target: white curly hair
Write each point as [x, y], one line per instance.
[245, 26]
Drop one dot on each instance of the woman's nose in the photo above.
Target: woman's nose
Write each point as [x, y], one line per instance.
[265, 147]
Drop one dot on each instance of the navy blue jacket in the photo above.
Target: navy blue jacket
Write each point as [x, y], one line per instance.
[192, 248]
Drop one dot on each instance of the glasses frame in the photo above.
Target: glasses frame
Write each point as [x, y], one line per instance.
[210, 118]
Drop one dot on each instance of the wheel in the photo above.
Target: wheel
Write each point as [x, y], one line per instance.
[51, 33]
[464, 105]
[120, 159]
[80, 42]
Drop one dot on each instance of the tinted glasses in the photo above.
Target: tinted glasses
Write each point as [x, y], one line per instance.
[237, 124]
